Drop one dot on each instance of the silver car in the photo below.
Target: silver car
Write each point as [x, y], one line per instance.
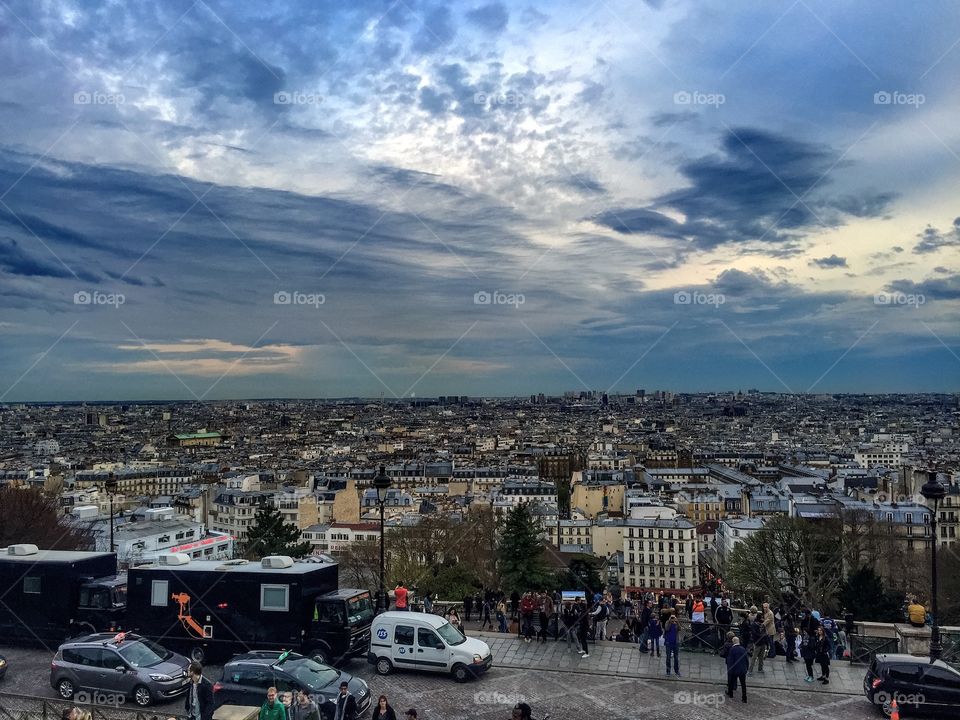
[109, 669]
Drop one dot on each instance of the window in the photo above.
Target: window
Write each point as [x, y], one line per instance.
[31, 585]
[428, 639]
[158, 593]
[275, 597]
[403, 635]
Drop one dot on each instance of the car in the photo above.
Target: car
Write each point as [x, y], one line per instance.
[118, 665]
[423, 641]
[3, 666]
[246, 678]
[917, 684]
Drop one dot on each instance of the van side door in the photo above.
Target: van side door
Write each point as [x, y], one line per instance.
[432, 652]
[403, 649]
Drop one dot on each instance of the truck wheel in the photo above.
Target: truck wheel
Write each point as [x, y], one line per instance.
[460, 673]
[320, 655]
[384, 666]
[197, 654]
[141, 695]
[65, 688]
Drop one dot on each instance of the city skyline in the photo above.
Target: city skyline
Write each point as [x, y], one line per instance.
[206, 201]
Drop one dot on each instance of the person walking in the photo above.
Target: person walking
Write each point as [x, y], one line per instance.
[760, 641]
[199, 700]
[769, 625]
[583, 625]
[822, 656]
[346, 704]
[467, 606]
[303, 708]
[654, 633]
[737, 663]
[272, 708]
[671, 643]
[383, 711]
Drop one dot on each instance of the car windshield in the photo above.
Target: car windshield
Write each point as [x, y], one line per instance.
[310, 673]
[451, 635]
[359, 609]
[119, 598]
[144, 653]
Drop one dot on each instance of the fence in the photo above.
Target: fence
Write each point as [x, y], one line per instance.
[28, 707]
[863, 648]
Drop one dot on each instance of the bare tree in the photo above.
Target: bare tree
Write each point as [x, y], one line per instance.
[27, 515]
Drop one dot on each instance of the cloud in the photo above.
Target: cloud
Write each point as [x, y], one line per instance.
[931, 239]
[492, 17]
[945, 288]
[834, 261]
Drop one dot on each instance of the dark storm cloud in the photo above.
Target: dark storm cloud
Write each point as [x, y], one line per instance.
[755, 188]
[833, 261]
[945, 288]
[931, 239]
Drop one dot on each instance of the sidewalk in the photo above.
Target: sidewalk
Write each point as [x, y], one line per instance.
[624, 659]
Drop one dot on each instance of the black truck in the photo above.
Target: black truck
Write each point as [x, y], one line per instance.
[47, 596]
[212, 609]
[205, 609]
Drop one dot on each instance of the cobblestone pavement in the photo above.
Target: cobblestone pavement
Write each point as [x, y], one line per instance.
[625, 659]
[566, 694]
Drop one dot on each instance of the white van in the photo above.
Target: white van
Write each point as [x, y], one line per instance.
[423, 641]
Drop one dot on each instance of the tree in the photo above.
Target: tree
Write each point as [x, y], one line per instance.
[360, 564]
[582, 573]
[863, 594]
[789, 561]
[520, 552]
[27, 515]
[270, 535]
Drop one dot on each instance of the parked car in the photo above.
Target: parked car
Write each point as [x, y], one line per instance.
[421, 641]
[246, 678]
[918, 685]
[121, 664]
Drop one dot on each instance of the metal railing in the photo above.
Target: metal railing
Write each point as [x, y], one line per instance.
[29, 707]
[863, 648]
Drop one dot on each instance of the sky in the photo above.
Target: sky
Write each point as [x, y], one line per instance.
[202, 199]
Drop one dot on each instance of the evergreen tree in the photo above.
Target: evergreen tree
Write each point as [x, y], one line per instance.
[864, 595]
[270, 535]
[520, 552]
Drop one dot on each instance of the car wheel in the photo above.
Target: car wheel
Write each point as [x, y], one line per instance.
[141, 695]
[197, 654]
[460, 673]
[886, 708]
[384, 666]
[65, 689]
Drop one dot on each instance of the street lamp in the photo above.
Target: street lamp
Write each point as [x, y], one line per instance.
[934, 492]
[111, 487]
[382, 483]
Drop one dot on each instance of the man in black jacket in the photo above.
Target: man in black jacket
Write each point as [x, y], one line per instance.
[737, 664]
[724, 619]
[199, 702]
[346, 704]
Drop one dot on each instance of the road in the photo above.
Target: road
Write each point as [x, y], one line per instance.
[566, 696]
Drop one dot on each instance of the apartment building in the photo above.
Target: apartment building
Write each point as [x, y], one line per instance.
[660, 555]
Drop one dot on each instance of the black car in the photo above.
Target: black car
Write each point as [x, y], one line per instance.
[918, 685]
[246, 678]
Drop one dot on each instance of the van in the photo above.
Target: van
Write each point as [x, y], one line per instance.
[422, 641]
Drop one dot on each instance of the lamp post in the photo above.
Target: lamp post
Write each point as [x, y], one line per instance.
[382, 483]
[111, 487]
[934, 492]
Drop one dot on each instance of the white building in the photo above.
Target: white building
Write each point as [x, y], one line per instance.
[733, 531]
[161, 533]
[660, 554]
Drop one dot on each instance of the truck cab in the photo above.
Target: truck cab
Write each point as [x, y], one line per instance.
[102, 604]
[340, 626]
